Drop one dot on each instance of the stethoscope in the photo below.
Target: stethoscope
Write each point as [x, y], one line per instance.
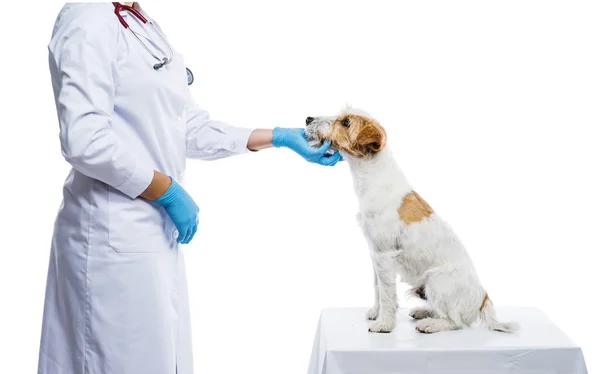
[161, 61]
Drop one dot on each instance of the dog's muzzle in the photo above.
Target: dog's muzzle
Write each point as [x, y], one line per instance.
[315, 128]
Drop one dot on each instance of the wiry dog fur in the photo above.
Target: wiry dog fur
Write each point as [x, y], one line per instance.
[405, 235]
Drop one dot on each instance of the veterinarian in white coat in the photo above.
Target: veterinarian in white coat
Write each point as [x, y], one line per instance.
[116, 297]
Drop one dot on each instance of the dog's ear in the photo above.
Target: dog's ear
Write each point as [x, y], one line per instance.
[371, 137]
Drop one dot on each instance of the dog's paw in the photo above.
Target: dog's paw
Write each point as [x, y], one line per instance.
[382, 326]
[432, 325]
[372, 314]
[427, 326]
[420, 313]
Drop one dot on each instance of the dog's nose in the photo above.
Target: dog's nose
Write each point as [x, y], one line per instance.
[309, 120]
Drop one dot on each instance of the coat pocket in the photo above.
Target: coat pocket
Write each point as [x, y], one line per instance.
[135, 225]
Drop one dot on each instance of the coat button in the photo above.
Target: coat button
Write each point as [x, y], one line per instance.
[233, 146]
[175, 234]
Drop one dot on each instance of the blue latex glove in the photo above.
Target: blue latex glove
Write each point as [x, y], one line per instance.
[182, 210]
[294, 139]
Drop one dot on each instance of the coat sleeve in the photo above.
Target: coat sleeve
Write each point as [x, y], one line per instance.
[209, 139]
[83, 66]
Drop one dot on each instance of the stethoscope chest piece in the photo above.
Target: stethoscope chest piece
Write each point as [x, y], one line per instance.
[190, 76]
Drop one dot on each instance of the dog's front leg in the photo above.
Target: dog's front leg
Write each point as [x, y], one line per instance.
[374, 311]
[385, 270]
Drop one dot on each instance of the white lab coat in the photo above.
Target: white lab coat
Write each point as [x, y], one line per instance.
[116, 298]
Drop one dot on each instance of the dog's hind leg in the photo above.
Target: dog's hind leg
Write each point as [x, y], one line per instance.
[421, 313]
[388, 300]
[432, 325]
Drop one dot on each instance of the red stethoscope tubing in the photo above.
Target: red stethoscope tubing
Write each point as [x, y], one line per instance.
[119, 7]
[161, 61]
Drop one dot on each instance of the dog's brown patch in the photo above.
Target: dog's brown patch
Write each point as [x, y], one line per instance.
[357, 135]
[414, 208]
[486, 298]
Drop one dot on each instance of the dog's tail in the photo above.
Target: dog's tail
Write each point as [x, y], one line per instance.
[487, 314]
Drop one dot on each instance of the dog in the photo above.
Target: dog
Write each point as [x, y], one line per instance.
[406, 236]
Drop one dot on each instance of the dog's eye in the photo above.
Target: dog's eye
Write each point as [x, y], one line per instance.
[346, 122]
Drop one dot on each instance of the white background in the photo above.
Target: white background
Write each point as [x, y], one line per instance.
[491, 109]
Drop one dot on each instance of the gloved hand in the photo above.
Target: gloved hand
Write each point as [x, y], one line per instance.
[294, 139]
[182, 210]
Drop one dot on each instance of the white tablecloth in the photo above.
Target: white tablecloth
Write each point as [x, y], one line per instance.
[343, 345]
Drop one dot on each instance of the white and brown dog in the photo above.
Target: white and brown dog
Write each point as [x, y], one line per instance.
[405, 235]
